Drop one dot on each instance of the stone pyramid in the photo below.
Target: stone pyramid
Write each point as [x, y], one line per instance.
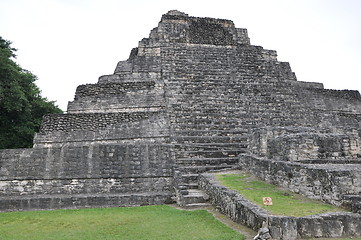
[192, 97]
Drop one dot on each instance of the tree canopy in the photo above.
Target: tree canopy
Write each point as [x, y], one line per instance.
[21, 104]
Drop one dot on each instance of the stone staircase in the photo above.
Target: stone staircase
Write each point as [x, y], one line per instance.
[214, 97]
[192, 198]
[198, 153]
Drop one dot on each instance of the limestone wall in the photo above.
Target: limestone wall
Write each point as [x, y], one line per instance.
[296, 147]
[102, 128]
[193, 92]
[300, 143]
[84, 169]
[112, 89]
[118, 97]
[88, 121]
[85, 176]
[328, 99]
[75, 201]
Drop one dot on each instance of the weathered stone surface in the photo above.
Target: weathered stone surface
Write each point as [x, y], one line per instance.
[90, 122]
[296, 144]
[82, 200]
[86, 169]
[103, 128]
[189, 99]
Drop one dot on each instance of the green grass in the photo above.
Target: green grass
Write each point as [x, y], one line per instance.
[284, 202]
[148, 222]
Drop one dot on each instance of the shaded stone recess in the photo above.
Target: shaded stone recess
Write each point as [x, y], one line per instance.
[111, 88]
[191, 97]
[87, 121]
[133, 95]
[243, 211]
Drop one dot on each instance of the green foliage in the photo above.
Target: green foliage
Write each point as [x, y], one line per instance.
[147, 222]
[21, 105]
[284, 202]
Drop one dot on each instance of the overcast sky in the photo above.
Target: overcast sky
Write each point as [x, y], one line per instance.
[71, 42]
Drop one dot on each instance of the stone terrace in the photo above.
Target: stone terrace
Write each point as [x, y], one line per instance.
[190, 98]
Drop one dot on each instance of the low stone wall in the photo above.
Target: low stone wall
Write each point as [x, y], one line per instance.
[325, 182]
[242, 211]
[76, 175]
[41, 202]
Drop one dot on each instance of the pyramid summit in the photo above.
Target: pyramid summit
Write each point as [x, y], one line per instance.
[195, 96]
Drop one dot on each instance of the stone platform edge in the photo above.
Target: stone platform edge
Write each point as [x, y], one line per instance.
[241, 210]
[77, 201]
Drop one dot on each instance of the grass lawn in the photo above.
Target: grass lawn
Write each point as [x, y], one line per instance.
[148, 222]
[284, 202]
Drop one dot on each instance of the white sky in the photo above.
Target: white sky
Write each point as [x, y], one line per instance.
[71, 42]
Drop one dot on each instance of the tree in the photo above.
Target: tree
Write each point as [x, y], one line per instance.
[21, 104]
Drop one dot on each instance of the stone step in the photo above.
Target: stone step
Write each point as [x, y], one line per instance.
[191, 186]
[194, 197]
[217, 111]
[209, 139]
[220, 116]
[208, 133]
[191, 173]
[254, 121]
[222, 81]
[209, 102]
[217, 107]
[209, 146]
[201, 169]
[197, 205]
[180, 155]
[207, 161]
[178, 120]
[190, 178]
[178, 91]
[207, 127]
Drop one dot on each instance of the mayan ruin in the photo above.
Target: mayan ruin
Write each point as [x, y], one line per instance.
[195, 97]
